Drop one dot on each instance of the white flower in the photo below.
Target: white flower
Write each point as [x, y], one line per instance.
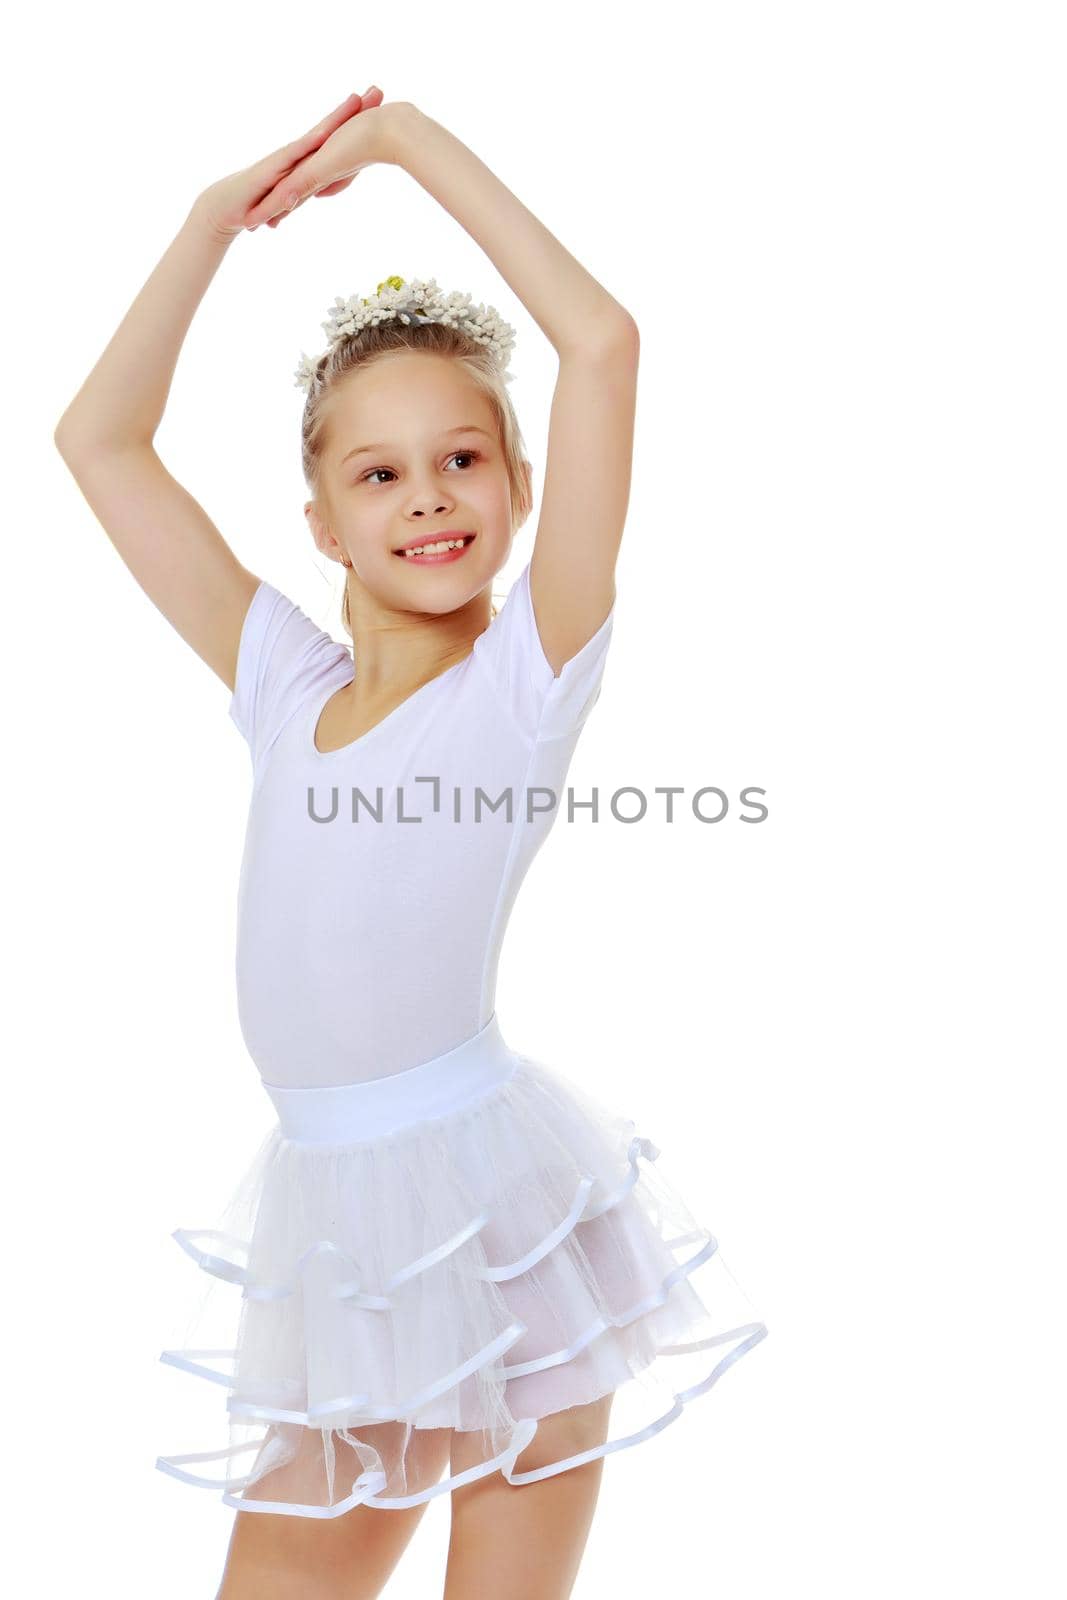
[305, 372]
[410, 301]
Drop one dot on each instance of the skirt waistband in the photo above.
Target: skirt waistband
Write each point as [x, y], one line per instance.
[348, 1112]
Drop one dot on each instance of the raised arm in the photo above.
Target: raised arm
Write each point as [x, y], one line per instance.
[167, 540]
[105, 436]
[591, 427]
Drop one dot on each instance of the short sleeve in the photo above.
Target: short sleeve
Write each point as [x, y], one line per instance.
[282, 658]
[543, 705]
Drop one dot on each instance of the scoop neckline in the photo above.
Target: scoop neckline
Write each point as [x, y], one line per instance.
[319, 704]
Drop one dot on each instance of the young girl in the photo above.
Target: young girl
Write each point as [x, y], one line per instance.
[448, 1268]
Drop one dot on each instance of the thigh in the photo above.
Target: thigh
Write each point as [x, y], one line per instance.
[274, 1555]
[525, 1541]
[559, 1435]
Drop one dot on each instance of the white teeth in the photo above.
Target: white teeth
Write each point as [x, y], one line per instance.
[434, 549]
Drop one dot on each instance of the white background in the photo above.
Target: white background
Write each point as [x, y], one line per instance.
[840, 230]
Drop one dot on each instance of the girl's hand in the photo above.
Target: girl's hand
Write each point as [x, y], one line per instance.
[236, 203]
[328, 167]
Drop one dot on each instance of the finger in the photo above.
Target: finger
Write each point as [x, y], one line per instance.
[348, 108]
[283, 197]
[334, 188]
[273, 222]
[278, 195]
[322, 130]
[290, 192]
[320, 194]
[277, 164]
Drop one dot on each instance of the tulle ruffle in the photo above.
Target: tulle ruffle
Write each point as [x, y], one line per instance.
[478, 1272]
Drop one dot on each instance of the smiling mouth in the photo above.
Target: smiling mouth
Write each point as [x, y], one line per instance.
[436, 546]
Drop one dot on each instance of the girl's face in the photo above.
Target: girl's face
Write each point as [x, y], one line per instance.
[413, 454]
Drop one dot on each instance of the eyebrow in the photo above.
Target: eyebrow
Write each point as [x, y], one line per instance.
[364, 449]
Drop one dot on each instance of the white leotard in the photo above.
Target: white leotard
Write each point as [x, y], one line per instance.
[368, 946]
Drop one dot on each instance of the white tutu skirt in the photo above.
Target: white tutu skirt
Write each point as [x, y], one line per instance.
[473, 1244]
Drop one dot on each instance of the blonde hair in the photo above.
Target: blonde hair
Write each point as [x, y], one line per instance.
[357, 351]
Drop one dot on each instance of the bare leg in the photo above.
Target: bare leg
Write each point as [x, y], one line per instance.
[526, 1541]
[281, 1557]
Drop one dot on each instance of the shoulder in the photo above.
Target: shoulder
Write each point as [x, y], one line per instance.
[543, 703]
[282, 657]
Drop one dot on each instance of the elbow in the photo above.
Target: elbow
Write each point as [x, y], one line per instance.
[619, 331]
[74, 440]
[63, 437]
[614, 336]
[629, 329]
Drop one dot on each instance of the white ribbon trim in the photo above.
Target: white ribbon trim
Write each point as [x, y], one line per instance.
[317, 1416]
[253, 1289]
[524, 1432]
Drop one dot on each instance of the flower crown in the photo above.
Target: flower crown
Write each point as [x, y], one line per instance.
[416, 302]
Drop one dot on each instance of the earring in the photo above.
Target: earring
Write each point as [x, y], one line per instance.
[346, 563]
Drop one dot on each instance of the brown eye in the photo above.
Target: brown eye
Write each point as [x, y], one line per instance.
[470, 455]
